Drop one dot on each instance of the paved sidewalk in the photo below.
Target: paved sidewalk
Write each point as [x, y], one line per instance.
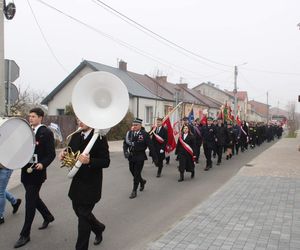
[114, 146]
[257, 209]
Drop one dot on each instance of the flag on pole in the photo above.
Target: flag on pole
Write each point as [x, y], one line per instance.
[238, 121]
[171, 144]
[203, 120]
[172, 123]
[191, 116]
[225, 112]
[221, 113]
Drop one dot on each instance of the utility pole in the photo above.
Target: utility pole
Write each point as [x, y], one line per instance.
[2, 85]
[235, 90]
[267, 107]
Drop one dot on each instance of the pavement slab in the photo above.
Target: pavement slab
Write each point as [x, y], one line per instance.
[259, 208]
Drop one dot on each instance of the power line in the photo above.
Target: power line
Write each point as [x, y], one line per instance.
[272, 72]
[136, 24]
[120, 42]
[45, 39]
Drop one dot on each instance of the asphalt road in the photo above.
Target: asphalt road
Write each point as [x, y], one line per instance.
[130, 224]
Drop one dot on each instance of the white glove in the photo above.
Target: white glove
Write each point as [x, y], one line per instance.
[161, 151]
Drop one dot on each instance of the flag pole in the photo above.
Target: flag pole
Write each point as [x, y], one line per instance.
[172, 111]
[167, 116]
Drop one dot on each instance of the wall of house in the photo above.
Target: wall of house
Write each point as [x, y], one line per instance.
[214, 93]
[64, 96]
[255, 117]
[243, 109]
[148, 110]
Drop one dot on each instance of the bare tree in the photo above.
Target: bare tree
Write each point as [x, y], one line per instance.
[291, 108]
[28, 99]
[293, 119]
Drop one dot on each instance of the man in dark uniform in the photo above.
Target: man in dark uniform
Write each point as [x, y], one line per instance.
[44, 154]
[209, 141]
[134, 146]
[86, 187]
[160, 139]
[220, 134]
[198, 139]
[252, 135]
[237, 133]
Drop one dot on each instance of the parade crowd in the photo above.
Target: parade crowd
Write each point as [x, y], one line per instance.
[220, 139]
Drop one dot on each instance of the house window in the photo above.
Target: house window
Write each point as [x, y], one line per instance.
[149, 115]
[60, 111]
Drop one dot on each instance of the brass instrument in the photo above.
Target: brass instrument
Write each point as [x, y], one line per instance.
[70, 157]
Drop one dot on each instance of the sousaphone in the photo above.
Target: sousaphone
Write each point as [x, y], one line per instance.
[100, 100]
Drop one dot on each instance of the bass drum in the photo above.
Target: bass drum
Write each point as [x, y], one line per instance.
[17, 142]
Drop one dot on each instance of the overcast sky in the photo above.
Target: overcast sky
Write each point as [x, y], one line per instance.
[260, 36]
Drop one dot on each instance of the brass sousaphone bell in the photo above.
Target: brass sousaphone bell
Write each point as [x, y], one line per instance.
[100, 100]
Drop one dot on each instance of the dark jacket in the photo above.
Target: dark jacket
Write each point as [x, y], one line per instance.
[230, 138]
[134, 146]
[86, 186]
[45, 150]
[221, 135]
[209, 136]
[198, 135]
[163, 133]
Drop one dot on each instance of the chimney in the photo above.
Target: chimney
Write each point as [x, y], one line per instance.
[122, 65]
[182, 85]
[161, 79]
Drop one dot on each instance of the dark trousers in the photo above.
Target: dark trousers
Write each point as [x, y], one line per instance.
[136, 171]
[237, 147]
[197, 151]
[167, 159]
[160, 165]
[219, 152]
[207, 153]
[33, 202]
[87, 222]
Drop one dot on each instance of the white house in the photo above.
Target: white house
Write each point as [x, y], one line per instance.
[143, 103]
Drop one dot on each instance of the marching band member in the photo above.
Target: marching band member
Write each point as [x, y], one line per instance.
[86, 187]
[44, 154]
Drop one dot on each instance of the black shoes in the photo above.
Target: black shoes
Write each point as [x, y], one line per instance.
[99, 238]
[142, 187]
[132, 195]
[193, 174]
[46, 223]
[22, 241]
[218, 163]
[1, 220]
[158, 175]
[16, 206]
[181, 177]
